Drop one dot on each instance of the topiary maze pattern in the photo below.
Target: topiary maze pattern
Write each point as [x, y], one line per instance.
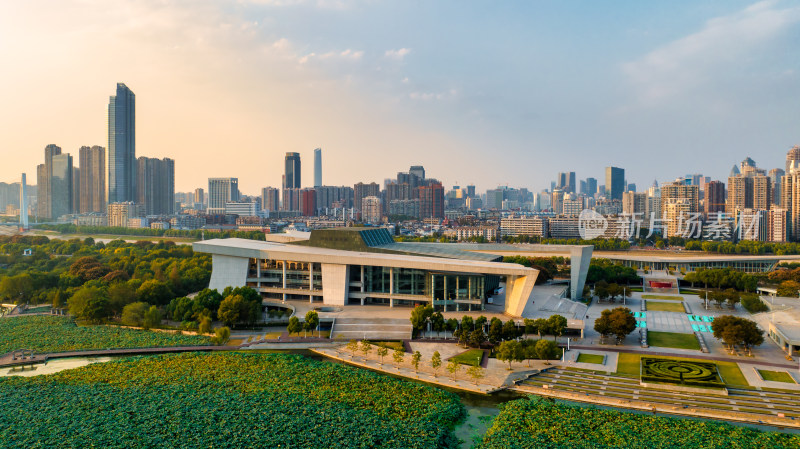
[681, 372]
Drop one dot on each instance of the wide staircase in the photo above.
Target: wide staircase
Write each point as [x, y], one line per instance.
[371, 329]
[661, 284]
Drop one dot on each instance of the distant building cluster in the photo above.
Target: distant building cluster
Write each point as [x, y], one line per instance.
[111, 186]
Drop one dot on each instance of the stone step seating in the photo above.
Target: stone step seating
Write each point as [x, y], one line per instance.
[371, 328]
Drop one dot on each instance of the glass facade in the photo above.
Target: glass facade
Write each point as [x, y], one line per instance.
[747, 266]
[374, 284]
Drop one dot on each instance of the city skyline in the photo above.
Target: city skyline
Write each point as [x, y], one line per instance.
[702, 85]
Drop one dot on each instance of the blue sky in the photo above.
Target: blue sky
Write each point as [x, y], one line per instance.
[479, 92]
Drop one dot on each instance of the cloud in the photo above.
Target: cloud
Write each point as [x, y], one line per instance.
[344, 55]
[398, 54]
[697, 60]
[430, 96]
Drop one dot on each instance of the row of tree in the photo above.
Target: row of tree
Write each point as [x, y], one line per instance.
[722, 278]
[733, 331]
[618, 322]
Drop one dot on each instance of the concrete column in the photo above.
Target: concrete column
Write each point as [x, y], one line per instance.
[391, 287]
[363, 288]
[284, 280]
[258, 272]
[311, 281]
[444, 293]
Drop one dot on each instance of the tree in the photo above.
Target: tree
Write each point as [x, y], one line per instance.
[480, 322]
[294, 326]
[436, 363]
[89, 303]
[509, 351]
[154, 292]
[556, 324]
[133, 314]
[366, 347]
[152, 318]
[59, 299]
[529, 351]
[437, 322]
[476, 373]
[542, 326]
[495, 331]
[602, 325]
[546, 349]
[751, 335]
[452, 325]
[621, 322]
[230, 310]
[398, 357]
[205, 325]
[530, 326]
[510, 330]
[352, 346]
[734, 330]
[415, 359]
[382, 351]
[467, 323]
[419, 316]
[120, 294]
[477, 337]
[222, 335]
[312, 318]
[453, 367]
[732, 297]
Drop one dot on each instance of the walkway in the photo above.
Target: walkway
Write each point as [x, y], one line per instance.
[7, 360]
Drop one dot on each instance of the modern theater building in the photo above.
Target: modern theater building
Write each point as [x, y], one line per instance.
[358, 266]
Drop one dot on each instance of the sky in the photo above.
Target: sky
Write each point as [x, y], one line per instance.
[484, 93]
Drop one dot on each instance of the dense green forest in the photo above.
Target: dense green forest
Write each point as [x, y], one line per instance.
[193, 234]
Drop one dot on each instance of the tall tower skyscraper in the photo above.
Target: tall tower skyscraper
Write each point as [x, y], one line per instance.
[291, 178]
[44, 175]
[93, 179]
[23, 203]
[318, 167]
[122, 145]
[615, 183]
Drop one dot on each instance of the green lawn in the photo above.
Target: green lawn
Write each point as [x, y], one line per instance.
[591, 358]
[665, 307]
[393, 345]
[672, 298]
[776, 376]
[472, 357]
[628, 365]
[672, 340]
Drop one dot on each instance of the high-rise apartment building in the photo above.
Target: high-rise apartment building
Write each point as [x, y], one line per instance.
[371, 210]
[270, 199]
[418, 171]
[291, 199]
[122, 145]
[777, 223]
[308, 202]
[155, 185]
[361, 191]
[291, 178]
[44, 173]
[120, 213]
[431, 201]
[749, 190]
[678, 203]
[334, 197]
[221, 191]
[615, 183]
[199, 196]
[557, 201]
[75, 207]
[634, 203]
[93, 179]
[714, 201]
[318, 167]
[792, 155]
[775, 178]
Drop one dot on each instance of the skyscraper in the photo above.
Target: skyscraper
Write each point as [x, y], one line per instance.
[93, 179]
[431, 201]
[61, 186]
[318, 167]
[792, 155]
[291, 178]
[361, 191]
[591, 186]
[714, 201]
[23, 203]
[615, 183]
[221, 191]
[122, 145]
[270, 199]
[155, 185]
[418, 171]
[44, 173]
